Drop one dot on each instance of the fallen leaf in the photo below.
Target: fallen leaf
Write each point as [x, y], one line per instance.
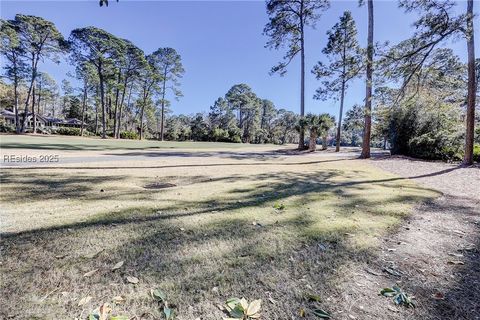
[439, 296]
[118, 265]
[458, 255]
[84, 301]
[302, 313]
[93, 255]
[104, 311]
[456, 262]
[90, 273]
[133, 280]
[118, 299]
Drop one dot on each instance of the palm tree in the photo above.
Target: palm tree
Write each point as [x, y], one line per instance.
[327, 122]
[318, 125]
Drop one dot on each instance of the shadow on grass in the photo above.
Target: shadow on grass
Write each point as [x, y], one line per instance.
[221, 255]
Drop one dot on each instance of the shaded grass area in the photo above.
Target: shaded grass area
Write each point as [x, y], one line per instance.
[214, 235]
[55, 142]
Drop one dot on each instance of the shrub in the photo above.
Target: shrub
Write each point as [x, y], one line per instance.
[129, 135]
[68, 131]
[476, 153]
[4, 127]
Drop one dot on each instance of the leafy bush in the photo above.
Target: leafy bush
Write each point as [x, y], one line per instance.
[4, 127]
[476, 153]
[436, 145]
[68, 131]
[129, 135]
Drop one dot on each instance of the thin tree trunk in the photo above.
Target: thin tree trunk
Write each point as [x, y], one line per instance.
[122, 100]
[96, 110]
[34, 114]
[39, 96]
[339, 129]
[470, 125]
[84, 105]
[15, 105]
[128, 105]
[301, 136]
[30, 88]
[102, 101]
[368, 97]
[115, 113]
[145, 97]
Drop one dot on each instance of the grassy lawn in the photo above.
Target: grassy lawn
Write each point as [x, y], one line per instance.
[203, 229]
[56, 142]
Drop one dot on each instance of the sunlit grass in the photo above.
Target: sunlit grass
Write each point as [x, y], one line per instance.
[216, 227]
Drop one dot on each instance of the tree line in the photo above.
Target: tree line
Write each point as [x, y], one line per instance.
[121, 83]
[419, 100]
[409, 89]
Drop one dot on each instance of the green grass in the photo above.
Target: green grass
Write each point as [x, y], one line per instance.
[214, 234]
[56, 142]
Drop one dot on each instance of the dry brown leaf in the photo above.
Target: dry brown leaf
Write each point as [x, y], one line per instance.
[133, 280]
[456, 262]
[118, 299]
[104, 311]
[90, 273]
[302, 313]
[84, 301]
[439, 296]
[118, 265]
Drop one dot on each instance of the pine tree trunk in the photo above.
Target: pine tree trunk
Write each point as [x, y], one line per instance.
[115, 113]
[84, 104]
[29, 93]
[301, 136]
[470, 123]
[339, 128]
[102, 102]
[368, 97]
[15, 98]
[34, 114]
[119, 125]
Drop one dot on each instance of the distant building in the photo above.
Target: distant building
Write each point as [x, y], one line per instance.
[42, 122]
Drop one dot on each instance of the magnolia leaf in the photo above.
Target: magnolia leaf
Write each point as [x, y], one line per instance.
[388, 292]
[321, 314]
[244, 303]
[133, 280]
[90, 273]
[84, 301]
[254, 307]
[168, 313]
[158, 295]
[232, 303]
[118, 265]
[237, 312]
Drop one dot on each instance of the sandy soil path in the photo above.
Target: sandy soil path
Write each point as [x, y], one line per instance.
[434, 256]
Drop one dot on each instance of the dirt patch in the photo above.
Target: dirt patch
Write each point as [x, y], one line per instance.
[434, 256]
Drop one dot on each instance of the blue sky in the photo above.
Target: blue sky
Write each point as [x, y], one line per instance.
[221, 43]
